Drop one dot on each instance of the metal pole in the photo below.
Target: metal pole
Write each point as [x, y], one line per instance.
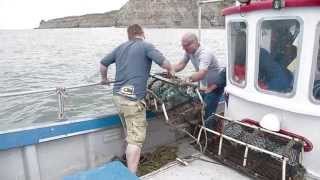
[165, 112]
[199, 20]
[200, 14]
[155, 104]
[210, 1]
[200, 97]
[220, 145]
[302, 152]
[245, 157]
[284, 165]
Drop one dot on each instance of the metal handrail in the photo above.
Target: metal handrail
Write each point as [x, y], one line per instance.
[209, 1]
[45, 90]
[60, 91]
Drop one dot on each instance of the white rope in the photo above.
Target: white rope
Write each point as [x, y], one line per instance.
[61, 92]
[203, 105]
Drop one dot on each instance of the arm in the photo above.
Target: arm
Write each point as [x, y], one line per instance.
[182, 63]
[167, 65]
[179, 66]
[201, 75]
[104, 64]
[197, 76]
[104, 74]
[157, 57]
[205, 60]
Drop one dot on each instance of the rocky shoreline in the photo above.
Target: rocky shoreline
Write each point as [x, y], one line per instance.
[149, 13]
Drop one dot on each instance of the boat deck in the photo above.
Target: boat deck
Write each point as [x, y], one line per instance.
[195, 168]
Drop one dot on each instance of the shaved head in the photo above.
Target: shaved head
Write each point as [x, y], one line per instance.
[190, 37]
[190, 43]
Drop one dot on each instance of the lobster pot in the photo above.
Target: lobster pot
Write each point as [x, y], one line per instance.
[257, 163]
[180, 102]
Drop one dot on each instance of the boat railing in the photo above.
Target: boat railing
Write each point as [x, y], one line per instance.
[5, 95]
[60, 91]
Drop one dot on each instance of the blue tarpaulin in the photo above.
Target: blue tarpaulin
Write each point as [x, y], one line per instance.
[111, 171]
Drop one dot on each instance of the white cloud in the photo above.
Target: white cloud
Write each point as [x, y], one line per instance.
[18, 14]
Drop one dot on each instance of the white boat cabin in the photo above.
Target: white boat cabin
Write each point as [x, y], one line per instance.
[274, 68]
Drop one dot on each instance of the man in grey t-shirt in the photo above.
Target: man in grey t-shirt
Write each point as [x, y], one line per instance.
[133, 61]
[211, 77]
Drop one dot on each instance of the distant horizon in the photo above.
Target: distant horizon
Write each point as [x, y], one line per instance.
[26, 15]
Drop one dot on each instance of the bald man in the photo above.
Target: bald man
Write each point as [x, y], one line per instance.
[208, 73]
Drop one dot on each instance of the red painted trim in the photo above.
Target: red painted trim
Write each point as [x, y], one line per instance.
[308, 146]
[267, 4]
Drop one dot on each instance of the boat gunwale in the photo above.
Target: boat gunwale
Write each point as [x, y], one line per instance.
[20, 137]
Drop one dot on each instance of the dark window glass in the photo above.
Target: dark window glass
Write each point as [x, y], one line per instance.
[316, 84]
[277, 60]
[238, 52]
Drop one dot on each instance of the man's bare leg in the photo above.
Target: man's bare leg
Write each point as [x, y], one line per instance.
[133, 157]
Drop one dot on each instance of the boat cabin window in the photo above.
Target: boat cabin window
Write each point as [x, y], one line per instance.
[316, 83]
[237, 52]
[277, 60]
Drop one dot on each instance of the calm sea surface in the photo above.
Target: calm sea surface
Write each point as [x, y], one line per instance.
[41, 59]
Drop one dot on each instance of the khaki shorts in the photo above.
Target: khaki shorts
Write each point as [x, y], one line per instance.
[133, 118]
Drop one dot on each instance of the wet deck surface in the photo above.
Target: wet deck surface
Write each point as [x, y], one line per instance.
[197, 168]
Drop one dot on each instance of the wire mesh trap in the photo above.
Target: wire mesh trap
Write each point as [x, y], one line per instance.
[173, 98]
[257, 152]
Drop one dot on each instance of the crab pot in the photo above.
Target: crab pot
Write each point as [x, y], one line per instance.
[257, 164]
[181, 102]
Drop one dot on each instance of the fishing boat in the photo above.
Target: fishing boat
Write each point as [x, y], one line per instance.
[270, 112]
[289, 32]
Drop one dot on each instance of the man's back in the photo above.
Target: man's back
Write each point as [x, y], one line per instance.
[133, 63]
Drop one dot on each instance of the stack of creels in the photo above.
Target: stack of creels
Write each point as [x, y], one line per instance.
[259, 164]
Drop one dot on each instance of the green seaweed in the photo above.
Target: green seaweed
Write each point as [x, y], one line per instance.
[155, 160]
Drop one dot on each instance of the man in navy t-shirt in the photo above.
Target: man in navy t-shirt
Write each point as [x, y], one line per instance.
[133, 61]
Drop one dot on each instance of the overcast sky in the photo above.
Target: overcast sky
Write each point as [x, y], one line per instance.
[26, 14]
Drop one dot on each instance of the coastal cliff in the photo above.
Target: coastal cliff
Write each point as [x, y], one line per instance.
[149, 13]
